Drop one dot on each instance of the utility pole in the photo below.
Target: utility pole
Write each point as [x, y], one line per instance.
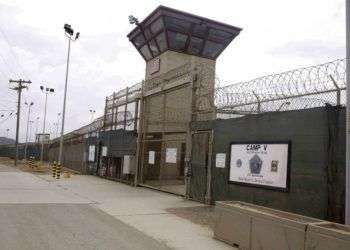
[347, 166]
[69, 32]
[21, 84]
[26, 145]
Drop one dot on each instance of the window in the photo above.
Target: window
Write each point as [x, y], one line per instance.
[212, 49]
[139, 40]
[145, 52]
[219, 35]
[195, 46]
[161, 40]
[177, 24]
[157, 26]
[153, 46]
[147, 33]
[200, 30]
[177, 41]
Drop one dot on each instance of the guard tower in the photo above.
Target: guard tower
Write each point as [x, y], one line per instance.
[180, 50]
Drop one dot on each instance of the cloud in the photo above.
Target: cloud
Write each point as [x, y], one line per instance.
[317, 50]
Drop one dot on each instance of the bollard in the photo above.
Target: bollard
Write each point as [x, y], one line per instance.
[54, 169]
[58, 171]
[66, 174]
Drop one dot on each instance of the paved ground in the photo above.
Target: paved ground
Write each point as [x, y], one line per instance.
[87, 212]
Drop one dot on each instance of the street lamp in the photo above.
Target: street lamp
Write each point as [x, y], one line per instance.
[92, 112]
[69, 32]
[46, 91]
[26, 145]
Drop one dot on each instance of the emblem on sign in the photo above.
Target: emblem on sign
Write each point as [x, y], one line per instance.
[255, 164]
[239, 163]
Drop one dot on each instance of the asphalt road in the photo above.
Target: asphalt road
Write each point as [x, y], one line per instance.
[37, 215]
[86, 212]
[67, 226]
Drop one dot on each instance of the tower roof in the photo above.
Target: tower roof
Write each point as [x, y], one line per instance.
[169, 29]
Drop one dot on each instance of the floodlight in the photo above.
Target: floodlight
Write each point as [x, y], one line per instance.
[133, 20]
[68, 29]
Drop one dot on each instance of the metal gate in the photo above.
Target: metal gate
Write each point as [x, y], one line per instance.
[200, 183]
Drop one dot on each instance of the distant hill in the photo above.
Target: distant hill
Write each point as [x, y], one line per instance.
[4, 141]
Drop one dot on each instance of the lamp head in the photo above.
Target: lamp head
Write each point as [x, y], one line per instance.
[133, 20]
[68, 29]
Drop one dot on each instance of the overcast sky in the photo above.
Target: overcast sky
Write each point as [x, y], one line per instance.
[277, 35]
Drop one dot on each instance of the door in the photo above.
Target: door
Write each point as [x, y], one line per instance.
[200, 164]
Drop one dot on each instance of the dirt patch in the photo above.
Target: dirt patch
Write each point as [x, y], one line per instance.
[201, 215]
[22, 165]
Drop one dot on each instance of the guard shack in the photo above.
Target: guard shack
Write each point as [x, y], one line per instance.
[180, 50]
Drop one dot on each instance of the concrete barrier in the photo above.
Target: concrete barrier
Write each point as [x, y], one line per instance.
[327, 236]
[254, 227]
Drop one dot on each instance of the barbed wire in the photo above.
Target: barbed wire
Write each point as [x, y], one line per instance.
[324, 83]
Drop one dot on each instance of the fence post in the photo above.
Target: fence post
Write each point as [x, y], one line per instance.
[259, 103]
[337, 89]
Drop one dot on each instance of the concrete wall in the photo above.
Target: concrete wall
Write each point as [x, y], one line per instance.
[33, 149]
[317, 160]
[74, 156]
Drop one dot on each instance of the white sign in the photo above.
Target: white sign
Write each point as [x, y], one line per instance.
[92, 153]
[126, 164]
[151, 157]
[171, 154]
[262, 164]
[220, 160]
[104, 151]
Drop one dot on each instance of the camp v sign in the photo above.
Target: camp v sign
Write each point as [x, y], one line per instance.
[264, 164]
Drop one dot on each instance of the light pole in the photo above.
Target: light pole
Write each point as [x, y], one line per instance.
[69, 32]
[37, 125]
[7, 132]
[30, 130]
[92, 113]
[26, 145]
[46, 91]
[58, 123]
